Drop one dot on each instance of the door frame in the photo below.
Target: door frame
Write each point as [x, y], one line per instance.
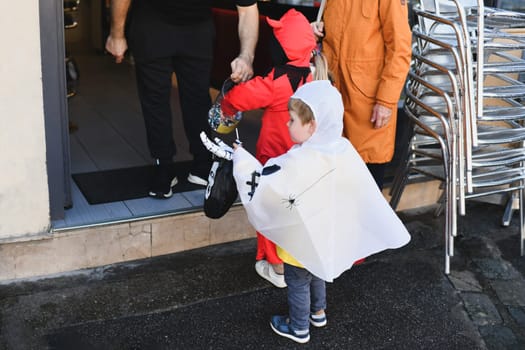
[55, 106]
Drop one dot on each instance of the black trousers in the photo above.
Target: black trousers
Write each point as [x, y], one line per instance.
[378, 173]
[187, 51]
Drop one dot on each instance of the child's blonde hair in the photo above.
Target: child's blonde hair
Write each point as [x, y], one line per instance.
[303, 111]
[320, 69]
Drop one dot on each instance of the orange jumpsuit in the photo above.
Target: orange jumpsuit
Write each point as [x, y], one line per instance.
[368, 47]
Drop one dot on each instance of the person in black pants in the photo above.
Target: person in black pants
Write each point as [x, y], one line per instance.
[165, 37]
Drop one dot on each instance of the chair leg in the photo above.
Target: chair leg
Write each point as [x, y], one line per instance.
[398, 188]
[522, 222]
[441, 207]
[510, 207]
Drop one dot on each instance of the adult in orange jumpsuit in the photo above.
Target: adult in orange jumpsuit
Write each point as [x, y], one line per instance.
[368, 47]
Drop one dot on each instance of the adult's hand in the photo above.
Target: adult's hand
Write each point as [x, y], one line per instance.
[242, 69]
[380, 116]
[116, 43]
[117, 46]
[242, 65]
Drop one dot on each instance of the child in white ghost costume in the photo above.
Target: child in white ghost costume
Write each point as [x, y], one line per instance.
[318, 202]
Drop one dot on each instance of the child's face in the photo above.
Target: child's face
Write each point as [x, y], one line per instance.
[299, 133]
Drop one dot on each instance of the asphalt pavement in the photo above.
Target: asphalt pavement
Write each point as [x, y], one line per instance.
[212, 298]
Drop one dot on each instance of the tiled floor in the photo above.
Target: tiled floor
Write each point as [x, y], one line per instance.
[110, 134]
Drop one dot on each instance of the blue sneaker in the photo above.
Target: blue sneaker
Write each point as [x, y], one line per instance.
[281, 325]
[318, 320]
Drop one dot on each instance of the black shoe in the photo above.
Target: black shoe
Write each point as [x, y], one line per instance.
[163, 180]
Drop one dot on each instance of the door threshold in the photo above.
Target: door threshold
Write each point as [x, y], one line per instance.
[101, 244]
[123, 220]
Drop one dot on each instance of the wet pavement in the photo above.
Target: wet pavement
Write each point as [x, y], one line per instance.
[211, 298]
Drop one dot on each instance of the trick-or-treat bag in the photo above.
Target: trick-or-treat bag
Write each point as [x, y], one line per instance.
[219, 122]
[221, 191]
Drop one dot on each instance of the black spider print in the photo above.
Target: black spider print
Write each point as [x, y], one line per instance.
[292, 202]
[292, 199]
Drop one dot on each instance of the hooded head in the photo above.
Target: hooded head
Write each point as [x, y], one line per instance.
[295, 37]
[327, 106]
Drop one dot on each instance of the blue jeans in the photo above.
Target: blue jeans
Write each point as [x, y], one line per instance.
[306, 294]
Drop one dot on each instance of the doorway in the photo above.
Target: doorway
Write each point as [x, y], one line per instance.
[105, 128]
[105, 125]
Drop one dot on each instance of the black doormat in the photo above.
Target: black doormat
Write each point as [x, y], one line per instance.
[127, 183]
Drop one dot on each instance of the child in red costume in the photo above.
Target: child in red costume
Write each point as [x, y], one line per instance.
[291, 47]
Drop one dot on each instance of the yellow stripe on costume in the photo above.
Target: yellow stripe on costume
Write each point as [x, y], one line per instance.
[287, 258]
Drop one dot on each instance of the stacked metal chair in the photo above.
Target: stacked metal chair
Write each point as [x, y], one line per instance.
[465, 100]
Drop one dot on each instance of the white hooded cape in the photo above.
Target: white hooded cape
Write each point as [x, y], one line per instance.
[318, 201]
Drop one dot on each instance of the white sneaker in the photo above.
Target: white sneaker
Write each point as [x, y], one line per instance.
[197, 180]
[265, 270]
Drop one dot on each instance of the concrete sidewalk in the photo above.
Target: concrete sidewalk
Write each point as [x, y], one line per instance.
[211, 298]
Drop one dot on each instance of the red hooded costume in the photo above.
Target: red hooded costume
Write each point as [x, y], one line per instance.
[291, 56]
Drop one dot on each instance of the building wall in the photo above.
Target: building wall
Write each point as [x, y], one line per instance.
[24, 198]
